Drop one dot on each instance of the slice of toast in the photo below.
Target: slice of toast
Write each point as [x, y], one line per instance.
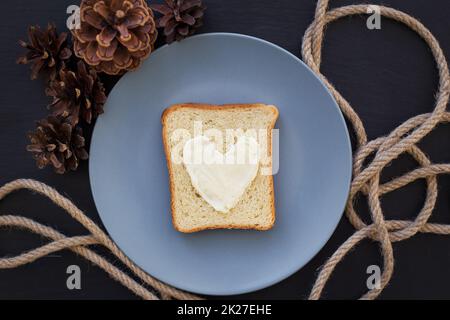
[255, 209]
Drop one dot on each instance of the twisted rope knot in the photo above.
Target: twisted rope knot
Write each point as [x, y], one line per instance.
[366, 177]
[366, 180]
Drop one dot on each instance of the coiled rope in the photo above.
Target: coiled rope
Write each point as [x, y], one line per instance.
[404, 139]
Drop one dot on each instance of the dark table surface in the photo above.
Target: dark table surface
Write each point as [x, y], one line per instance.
[388, 75]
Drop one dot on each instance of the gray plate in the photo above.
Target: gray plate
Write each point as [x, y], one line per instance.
[129, 177]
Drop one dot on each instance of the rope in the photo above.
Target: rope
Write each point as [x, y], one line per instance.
[366, 180]
[78, 244]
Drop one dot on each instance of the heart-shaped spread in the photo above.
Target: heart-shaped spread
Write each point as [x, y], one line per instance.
[221, 179]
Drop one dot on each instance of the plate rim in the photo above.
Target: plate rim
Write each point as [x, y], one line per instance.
[262, 284]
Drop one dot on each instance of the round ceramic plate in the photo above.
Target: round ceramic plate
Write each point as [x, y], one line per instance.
[129, 176]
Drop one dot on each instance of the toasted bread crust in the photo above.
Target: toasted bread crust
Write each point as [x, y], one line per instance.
[201, 106]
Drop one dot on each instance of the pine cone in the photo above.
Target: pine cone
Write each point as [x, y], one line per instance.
[47, 51]
[77, 94]
[56, 143]
[180, 18]
[115, 35]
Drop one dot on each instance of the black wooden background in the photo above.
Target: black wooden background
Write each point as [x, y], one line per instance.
[388, 75]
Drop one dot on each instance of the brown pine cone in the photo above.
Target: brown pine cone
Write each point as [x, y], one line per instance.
[180, 18]
[115, 35]
[47, 51]
[77, 94]
[56, 143]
